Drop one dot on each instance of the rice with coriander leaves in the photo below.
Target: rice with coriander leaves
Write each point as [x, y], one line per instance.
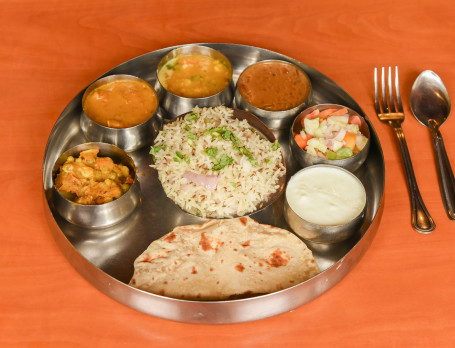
[216, 166]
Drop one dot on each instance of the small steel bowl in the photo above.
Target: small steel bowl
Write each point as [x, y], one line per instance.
[274, 119]
[175, 105]
[322, 233]
[101, 215]
[305, 159]
[130, 138]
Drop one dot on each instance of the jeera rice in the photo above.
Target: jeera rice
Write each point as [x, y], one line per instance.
[214, 165]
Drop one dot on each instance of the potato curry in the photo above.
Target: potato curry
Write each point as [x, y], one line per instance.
[90, 179]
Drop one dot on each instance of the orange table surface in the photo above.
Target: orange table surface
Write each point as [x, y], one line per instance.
[401, 294]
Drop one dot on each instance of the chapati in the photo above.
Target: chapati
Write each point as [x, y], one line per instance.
[222, 259]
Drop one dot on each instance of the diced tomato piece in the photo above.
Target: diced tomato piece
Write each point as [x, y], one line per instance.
[340, 112]
[311, 115]
[300, 141]
[355, 120]
[326, 113]
[349, 140]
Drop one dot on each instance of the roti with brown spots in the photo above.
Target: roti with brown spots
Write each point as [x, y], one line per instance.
[221, 259]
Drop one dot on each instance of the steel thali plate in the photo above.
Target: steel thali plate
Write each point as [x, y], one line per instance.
[105, 256]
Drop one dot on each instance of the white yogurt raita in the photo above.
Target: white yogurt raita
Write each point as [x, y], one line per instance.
[326, 195]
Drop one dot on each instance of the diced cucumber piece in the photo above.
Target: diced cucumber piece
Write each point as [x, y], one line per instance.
[310, 149]
[360, 141]
[311, 126]
[341, 120]
[336, 145]
[331, 155]
[317, 144]
[352, 128]
[344, 152]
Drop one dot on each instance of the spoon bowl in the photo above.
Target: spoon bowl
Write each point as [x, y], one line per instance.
[430, 104]
[430, 101]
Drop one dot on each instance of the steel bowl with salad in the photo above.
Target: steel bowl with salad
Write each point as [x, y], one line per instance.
[330, 134]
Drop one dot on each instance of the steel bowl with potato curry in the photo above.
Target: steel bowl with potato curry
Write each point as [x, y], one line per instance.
[89, 179]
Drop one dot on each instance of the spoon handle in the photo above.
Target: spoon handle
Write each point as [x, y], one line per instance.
[420, 218]
[445, 174]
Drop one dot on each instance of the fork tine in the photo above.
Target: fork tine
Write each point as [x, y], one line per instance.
[387, 101]
[397, 90]
[376, 95]
[385, 107]
[391, 101]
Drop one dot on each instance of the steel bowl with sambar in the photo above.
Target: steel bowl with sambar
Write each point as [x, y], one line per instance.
[273, 90]
[120, 110]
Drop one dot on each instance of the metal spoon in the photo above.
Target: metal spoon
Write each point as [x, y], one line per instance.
[430, 104]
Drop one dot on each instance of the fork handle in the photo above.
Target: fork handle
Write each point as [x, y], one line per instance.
[420, 218]
[445, 174]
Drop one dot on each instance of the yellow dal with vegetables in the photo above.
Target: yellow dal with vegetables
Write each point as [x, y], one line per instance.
[194, 76]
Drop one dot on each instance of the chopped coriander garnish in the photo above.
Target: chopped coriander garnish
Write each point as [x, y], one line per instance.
[155, 149]
[192, 117]
[191, 135]
[172, 66]
[187, 128]
[235, 140]
[223, 161]
[276, 145]
[196, 78]
[218, 130]
[218, 163]
[179, 157]
[244, 151]
[211, 152]
[226, 134]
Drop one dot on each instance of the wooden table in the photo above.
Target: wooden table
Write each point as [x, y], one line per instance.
[402, 292]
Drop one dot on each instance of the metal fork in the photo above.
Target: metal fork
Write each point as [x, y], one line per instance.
[390, 110]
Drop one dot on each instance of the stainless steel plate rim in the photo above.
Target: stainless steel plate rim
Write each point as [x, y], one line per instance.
[107, 273]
